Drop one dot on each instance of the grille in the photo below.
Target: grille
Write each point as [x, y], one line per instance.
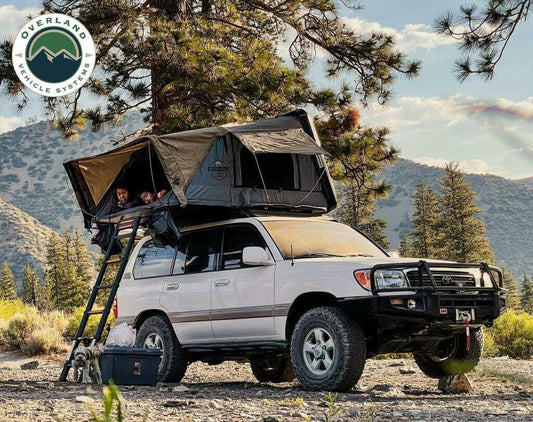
[442, 279]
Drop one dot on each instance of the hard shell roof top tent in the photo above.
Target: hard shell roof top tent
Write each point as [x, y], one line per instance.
[271, 165]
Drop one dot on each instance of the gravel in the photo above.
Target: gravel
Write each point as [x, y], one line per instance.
[389, 390]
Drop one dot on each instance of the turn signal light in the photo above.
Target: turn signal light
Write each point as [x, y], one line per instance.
[363, 278]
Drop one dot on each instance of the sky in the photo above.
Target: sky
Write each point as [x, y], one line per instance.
[485, 126]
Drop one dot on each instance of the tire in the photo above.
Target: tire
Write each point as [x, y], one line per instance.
[156, 331]
[275, 369]
[328, 350]
[456, 360]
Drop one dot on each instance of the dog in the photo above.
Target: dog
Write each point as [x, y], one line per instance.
[86, 359]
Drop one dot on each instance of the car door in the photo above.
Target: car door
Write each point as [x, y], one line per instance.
[242, 297]
[186, 295]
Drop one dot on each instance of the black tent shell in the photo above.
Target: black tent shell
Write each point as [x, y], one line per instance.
[272, 164]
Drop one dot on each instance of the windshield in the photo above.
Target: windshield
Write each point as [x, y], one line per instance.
[319, 238]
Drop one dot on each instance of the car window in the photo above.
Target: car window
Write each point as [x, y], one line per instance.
[198, 251]
[152, 261]
[236, 238]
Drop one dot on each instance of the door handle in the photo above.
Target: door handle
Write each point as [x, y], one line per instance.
[172, 286]
[223, 282]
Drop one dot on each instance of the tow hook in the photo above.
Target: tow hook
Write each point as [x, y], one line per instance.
[465, 316]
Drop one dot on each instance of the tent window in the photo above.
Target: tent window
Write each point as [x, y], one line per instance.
[277, 170]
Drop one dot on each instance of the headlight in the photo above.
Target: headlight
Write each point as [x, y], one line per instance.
[387, 279]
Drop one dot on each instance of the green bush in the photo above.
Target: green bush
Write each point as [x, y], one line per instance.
[92, 324]
[21, 325]
[57, 320]
[511, 335]
[8, 308]
[44, 340]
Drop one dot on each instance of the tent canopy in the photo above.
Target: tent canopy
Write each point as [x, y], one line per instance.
[176, 160]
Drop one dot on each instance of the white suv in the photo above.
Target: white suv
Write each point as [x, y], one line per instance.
[302, 296]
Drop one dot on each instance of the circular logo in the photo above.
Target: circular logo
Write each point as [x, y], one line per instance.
[54, 55]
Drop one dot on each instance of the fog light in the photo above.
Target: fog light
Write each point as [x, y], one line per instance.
[411, 304]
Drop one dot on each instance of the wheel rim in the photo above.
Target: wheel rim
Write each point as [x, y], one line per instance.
[319, 351]
[445, 350]
[153, 341]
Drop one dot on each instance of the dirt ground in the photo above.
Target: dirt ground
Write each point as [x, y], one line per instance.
[389, 390]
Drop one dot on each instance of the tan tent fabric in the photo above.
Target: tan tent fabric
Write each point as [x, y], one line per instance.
[100, 171]
[182, 153]
[291, 141]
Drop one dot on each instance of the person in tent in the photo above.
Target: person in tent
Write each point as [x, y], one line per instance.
[150, 197]
[124, 200]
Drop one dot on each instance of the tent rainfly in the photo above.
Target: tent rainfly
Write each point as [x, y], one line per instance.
[269, 165]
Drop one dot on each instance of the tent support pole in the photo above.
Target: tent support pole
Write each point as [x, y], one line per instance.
[262, 179]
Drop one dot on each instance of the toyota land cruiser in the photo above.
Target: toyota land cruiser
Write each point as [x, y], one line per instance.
[305, 297]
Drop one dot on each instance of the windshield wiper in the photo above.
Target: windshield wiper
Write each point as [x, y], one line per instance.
[361, 254]
[318, 255]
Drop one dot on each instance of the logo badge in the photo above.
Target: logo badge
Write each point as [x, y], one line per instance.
[447, 280]
[218, 169]
[54, 55]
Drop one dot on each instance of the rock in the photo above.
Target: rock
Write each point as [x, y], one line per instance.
[407, 371]
[381, 387]
[33, 364]
[47, 385]
[213, 404]
[179, 403]
[269, 419]
[84, 399]
[180, 389]
[455, 384]
[23, 387]
[392, 365]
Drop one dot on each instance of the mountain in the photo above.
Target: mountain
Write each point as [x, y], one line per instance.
[31, 171]
[527, 181]
[23, 240]
[507, 210]
[54, 68]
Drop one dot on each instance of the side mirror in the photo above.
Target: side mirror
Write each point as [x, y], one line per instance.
[256, 256]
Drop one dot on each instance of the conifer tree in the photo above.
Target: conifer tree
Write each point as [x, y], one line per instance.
[82, 260]
[513, 298]
[423, 237]
[194, 63]
[56, 273]
[462, 232]
[406, 247]
[526, 295]
[8, 288]
[33, 292]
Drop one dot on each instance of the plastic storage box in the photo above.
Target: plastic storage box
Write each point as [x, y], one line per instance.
[130, 366]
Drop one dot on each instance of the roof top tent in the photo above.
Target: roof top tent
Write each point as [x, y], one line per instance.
[271, 165]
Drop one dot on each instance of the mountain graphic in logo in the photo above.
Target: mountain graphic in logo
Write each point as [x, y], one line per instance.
[53, 55]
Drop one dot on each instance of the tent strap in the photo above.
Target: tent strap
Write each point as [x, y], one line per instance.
[313, 188]
[261, 175]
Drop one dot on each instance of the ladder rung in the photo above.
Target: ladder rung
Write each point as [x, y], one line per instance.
[125, 226]
[105, 286]
[95, 312]
[113, 261]
[84, 338]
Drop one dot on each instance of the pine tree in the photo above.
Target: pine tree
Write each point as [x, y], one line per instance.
[526, 295]
[56, 273]
[424, 239]
[204, 62]
[82, 260]
[406, 247]
[8, 288]
[33, 292]
[463, 234]
[513, 298]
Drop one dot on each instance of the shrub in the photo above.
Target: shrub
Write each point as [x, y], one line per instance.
[512, 335]
[3, 328]
[44, 340]
[56, 320]
[92, 324]
[21, 325]
[8, 308]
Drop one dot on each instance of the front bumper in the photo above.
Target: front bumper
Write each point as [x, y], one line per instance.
[435, 304]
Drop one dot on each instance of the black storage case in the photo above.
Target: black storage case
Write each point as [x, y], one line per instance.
[129, 365]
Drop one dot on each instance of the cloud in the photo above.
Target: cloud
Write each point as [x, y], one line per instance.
[474, 166]
[12, 20]
[9, 123]
[409, 39]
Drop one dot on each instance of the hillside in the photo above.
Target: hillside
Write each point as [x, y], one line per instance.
[23, 240]
[507, 210]
[31, 168]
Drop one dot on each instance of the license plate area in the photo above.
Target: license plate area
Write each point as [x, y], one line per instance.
[465, 314]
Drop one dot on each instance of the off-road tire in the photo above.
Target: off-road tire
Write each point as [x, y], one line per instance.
[173, 362]
[460, 361]
[275, 369]
[343, 342]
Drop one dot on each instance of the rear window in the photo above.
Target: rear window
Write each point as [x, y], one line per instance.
[153, 261]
